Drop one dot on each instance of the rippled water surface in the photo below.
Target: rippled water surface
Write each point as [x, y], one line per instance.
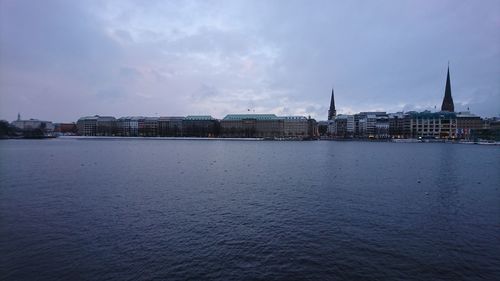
[128, 209]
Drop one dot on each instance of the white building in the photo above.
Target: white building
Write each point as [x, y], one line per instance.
[34, 124]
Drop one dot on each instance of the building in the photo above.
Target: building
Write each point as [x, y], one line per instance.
[313, 129]
[343, 127]
[295, 126]
[371, 125]
[97, 126]
[129, 126]
[65, 128]
[106, 126]
[448, 105]
[268, 126]
[398, 122]
[437, 125]
[382, 127]
[322, 128]
[490, 130]
[331, 127]
[34, 127]
[200, 126]
[468, 124]
[170, 126]
[252, 125]
[33, 124]
[150, 127]
[87, 126]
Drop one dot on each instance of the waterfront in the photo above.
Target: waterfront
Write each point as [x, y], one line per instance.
[129, 209]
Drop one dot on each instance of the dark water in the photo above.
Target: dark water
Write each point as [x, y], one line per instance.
[242, 210]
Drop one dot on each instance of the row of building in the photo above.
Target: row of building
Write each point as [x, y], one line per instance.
[427, 125]
[444, 124]
[364, 125]
[231, 126]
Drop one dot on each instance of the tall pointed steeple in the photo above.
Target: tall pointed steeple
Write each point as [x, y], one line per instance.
[332, 112]
[448, 100]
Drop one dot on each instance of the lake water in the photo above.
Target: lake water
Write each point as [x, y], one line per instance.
[124, 209]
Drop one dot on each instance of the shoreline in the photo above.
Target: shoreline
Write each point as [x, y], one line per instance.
[273, 139]
[494, 143]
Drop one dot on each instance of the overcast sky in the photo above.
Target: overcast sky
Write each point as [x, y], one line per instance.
[60, 60]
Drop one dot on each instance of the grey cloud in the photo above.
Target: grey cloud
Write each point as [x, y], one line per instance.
[130, 73]
[214, 57]
[50, 33]
[111, 94]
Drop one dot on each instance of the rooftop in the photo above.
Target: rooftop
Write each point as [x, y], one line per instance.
[466, 114]
[344, 116]
[199, 117]
[428, 114]
[132, 118]
[237, 117]
[97, 117]
[171, 118]
[293, 117]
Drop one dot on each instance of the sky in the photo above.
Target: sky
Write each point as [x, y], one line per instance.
[61, 60]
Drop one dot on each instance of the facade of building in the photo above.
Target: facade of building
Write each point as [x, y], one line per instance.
[437, 125]
[87, 126]
[468, 124]
[65, 128]
[106, 126]
[97, 126]
[268, 126]
[331, 128]
[323, 128]
[252, 125]
[490, 130]
[149, 127]
[33, 124]
[170, 126]
[343, 127]
[382, 127]
[398, 122]
[34, 127]
[371, 125]
[128, 126]
[295, 126]
[313, 131]
[200, 126]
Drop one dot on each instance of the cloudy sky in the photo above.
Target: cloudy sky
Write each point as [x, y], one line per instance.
[60, 60]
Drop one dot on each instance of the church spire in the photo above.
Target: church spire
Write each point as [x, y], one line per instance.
[448, 100]
[332, 112]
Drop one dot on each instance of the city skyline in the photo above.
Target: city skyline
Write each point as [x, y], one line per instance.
[60, 61]
[447, 106]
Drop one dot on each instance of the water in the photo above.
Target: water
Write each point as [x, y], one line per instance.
[241, 210]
